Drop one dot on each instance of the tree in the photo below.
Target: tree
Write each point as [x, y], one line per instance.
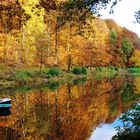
[127, 49]
[131, 125]
[137, 16]
[136, 58]
[12, 16]
[113, 36]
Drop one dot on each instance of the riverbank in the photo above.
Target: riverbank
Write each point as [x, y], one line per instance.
[11, 78]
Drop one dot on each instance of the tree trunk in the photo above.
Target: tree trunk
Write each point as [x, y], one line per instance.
[41, 62]
[56, 43]
[49, 38]
[20, 51]
[68, 49]
[69, 62]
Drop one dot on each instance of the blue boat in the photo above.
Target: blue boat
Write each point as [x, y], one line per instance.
[5, 101]
[5, 112]
[5, 106]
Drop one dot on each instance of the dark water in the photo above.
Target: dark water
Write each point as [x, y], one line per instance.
[82, 110]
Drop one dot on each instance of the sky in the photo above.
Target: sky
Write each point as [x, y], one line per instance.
[106, 131]
[124, 14]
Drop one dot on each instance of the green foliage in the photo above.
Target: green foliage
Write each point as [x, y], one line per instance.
[99, 77]
[99, 69]
[133, 70]
[128, 94]
[116, 68]
[53, 86]
[127, 49]
[84, 70]
[54, 72]
[113, 108]
[80, 81]
[131, 122]
[113, 36]
[25, 74]
[77, 70]
[44, 71]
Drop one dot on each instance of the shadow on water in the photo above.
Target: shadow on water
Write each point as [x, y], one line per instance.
[70, 111]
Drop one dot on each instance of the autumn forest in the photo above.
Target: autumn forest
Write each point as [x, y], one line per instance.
[36, 32]
[67, 70]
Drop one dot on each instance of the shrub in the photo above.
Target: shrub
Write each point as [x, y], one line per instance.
[116, 69]
[54, 72]
[77, 70]
[98, 69]
[22, 75]
[84, 70]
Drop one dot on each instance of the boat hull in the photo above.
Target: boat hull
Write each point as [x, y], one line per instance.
[5, 112]
[5, 101]
[5, 107]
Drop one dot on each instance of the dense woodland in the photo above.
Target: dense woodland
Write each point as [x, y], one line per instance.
[60, 36]
[52, 33]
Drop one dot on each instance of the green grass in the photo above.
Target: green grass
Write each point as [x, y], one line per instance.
[102, 72]
[31, 76]
[133, 70]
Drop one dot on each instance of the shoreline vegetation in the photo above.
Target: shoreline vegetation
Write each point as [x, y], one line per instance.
[11, 78]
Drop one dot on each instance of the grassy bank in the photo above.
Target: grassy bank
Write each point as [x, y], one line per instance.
[33, 77]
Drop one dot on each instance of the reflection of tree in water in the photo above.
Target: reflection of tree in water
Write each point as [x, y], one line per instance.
[131, 125]
[80, 81]
[48, 126]
[69, 111]
[115, 104]
[122, 96]
[53, 86]
[128, 93]
[7, 133]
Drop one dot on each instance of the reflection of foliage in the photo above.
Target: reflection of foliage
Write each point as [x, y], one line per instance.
[131, 122]
[99, 77]
[80, 81]
[113, 108]
[128, 93]
[53, 85]
[23, 89]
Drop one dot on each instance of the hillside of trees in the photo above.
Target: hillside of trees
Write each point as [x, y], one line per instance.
[35, 32]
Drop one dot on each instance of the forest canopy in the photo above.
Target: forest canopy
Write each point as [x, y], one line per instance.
[63, 33]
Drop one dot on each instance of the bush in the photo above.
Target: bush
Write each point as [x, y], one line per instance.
[22, 76]
[98, 69]
[77, 70]
[84, 70]
[116, 69]
[54, 72]
[25, 74]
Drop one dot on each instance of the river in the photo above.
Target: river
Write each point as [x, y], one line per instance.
[80, 110]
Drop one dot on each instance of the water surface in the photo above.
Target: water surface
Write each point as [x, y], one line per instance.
[82, 110]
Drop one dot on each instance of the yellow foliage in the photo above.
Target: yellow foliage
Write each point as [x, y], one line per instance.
[137, 84]
[136, 57]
